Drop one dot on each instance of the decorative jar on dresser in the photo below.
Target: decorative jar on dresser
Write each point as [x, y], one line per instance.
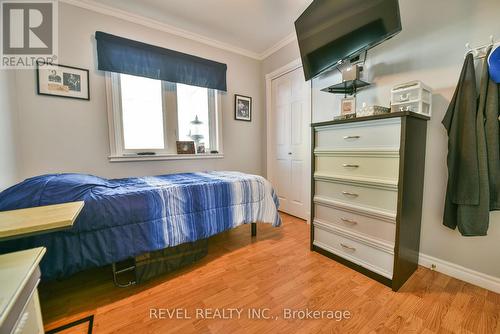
[367, 188]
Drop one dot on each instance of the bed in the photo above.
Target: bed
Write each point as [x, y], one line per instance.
[123, 218]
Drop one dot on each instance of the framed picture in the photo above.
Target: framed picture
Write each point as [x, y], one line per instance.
[242, 108]
[63, 81]
[185, 147]
[348, 106]
[200, 148]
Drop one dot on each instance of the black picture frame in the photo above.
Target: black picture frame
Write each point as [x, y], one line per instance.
[89, 319]
[43, 91]
[240, 112]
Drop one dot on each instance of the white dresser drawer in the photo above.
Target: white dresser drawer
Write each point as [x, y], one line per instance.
[376, 257]
[369, 166]
[367, 196]
[378, 134]
[382, 229]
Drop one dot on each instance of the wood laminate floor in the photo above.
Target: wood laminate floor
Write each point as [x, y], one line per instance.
[275, 271]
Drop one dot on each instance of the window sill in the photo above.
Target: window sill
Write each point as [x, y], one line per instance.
[158, 157]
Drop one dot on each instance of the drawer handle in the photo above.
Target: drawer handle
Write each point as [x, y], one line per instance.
[351, 137]
[346, 193]
[404, 98]
[348, 247]
[349, 221]
[350, 166]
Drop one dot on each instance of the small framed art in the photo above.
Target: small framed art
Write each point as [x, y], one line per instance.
[242, 108]
[348, 106]
[185, 147]
[200, 148]
[63, 81]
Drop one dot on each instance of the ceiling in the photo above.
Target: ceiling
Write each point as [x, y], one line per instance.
[252, 25]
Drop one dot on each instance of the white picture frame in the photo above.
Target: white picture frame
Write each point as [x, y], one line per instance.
[348, 106]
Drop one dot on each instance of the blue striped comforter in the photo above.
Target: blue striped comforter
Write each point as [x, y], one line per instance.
[127, 217]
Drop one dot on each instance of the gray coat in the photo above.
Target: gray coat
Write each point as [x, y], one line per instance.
[491, 114]
[460, 123]
[467, 197]
[473, 220]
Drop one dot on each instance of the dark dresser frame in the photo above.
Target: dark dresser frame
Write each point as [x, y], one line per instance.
[410, 195]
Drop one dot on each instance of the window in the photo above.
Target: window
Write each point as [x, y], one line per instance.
[190, 101]
[142, 113]
[148, 116]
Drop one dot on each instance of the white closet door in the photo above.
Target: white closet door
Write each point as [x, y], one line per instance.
[290, 143]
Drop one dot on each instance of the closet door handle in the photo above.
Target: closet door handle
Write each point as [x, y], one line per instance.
[350, 166]
[348, 247]
[349, 221]
[351, 137]
[346, 193]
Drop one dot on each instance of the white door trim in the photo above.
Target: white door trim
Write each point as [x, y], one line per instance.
[292, 66]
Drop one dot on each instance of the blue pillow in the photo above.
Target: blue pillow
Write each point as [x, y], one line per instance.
[50, 189]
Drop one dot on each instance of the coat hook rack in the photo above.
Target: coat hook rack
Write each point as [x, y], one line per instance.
[480, 51]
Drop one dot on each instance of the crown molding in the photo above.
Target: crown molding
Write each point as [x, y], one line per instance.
[285, 41]
[281, 44]
[150, 23]
[154, 24]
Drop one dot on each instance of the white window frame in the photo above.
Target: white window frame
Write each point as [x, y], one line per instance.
[170, 125]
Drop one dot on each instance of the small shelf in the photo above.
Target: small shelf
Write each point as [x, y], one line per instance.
[37, 220]
[347, 87]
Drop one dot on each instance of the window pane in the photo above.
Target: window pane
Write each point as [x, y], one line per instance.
[142, 113]
[191, 102]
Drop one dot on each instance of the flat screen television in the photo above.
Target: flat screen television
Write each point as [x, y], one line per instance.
[330, 31]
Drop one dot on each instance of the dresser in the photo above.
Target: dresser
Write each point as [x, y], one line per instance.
[20, 271]
[19, 305]
[367, 189]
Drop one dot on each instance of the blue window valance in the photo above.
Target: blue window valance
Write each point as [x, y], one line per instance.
[122, 55]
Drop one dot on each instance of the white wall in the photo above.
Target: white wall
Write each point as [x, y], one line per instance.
[9, 162]
[430, 48]
[66, 135]
[283, 56]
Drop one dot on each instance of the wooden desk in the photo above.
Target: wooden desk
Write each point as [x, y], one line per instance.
[42, 219]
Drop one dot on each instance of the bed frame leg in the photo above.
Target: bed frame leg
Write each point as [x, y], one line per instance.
[116, 273]
[254, 229]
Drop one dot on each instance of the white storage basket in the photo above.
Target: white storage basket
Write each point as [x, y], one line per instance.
[412, 96]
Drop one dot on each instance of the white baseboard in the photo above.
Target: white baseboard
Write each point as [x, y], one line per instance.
[467, 275]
